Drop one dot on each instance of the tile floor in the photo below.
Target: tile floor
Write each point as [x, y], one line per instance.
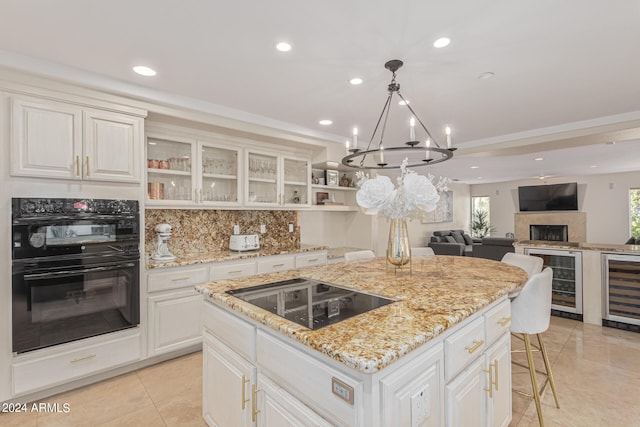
[597, 372]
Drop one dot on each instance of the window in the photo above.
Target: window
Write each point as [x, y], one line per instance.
[480, 224]
[634, 211]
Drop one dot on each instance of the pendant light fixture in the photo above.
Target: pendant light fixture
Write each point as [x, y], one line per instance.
[383, 156]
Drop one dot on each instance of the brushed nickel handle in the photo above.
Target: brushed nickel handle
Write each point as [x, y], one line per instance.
[254, 405]
[245, 380]
[88, 170]
[476, 345]
[313, 260]
[78, 359]
[504, 321]
[277, 265]
[234, 272]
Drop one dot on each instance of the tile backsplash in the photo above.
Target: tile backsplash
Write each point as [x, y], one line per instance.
[209, 230]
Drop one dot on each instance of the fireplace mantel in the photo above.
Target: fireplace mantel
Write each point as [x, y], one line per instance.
[576, 222]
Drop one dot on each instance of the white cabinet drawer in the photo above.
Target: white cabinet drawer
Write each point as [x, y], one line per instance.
[274, 264]
[309, 380]
[175, 321]
[308, 260]
[175, 278]
[498, 320]
[47, 371]
[231, 330]
[232, 270]
[463, 347]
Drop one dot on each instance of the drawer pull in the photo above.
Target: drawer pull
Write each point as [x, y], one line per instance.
[313, 260]
[254, 402]
[77, 165]
[234, 272]
[245, 380]
[180, 279]
[278, 265]
[504, 321]
[476, 345]
[79, 359]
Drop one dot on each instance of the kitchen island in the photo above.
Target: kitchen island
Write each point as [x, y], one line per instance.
[417, 361]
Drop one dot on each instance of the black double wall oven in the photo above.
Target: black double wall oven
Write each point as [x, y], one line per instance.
[75, 269]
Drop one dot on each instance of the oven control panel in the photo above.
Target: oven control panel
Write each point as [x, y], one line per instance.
[29, 207]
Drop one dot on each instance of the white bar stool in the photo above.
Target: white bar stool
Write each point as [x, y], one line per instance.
[358, 255]
[529, 263]
[530, 314]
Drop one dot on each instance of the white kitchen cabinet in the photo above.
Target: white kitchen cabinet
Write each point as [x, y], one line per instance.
[279, 408]
[55, 139]
[229, 386]
[174, 308]
[465, 397]
[233, 269]
[176, 321]
[275, 180]
[498, 361]
[311, 259]
[276, 263]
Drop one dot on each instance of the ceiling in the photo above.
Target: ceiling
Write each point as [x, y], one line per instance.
[566, 74]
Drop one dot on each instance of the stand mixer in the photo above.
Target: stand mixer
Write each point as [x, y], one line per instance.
[162, 252]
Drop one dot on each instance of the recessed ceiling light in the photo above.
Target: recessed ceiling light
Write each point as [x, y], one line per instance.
[403, 102]
[325, 122]
[355, 81]
[475, 167]
[593, 166]
[537, 159]
[283, 47]
[487, 75]
[144, 71]
[479, 177]
[541, 177]
[442, 42]
[152, 143]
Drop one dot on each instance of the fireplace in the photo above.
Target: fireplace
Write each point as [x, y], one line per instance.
[555, 233]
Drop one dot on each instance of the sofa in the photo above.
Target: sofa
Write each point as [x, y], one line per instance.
[493, 247]
[452, 242]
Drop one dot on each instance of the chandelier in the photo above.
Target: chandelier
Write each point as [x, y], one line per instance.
[391, 157]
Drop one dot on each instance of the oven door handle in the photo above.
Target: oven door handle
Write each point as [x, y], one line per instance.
[39, 276]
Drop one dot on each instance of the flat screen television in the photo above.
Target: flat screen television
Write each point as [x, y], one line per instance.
[554, 197]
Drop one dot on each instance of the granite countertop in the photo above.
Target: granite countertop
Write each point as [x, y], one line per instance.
[442, 292]
[579, 246]
[218, 256]
[334, 253]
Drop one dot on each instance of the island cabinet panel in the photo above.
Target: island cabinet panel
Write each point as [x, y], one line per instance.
[227, 395]
[310, 380]
[233, 331]
[465, 398]
[498, 360]
[411, 395]
[279, 408]
[497, 321]
[463, 347]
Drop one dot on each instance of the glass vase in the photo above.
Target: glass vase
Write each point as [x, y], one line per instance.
[398, 248]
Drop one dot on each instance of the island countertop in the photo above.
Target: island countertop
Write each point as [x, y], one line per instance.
[441, 293]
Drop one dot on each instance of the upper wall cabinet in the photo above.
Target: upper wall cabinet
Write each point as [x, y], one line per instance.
[54, 139]
[277, 180]
[187, 172]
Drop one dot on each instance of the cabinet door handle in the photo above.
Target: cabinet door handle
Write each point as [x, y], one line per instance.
[495, 383]
[77, 165]
[490, 389]
[504, 321]
[254, 402]
[245, 380]
[79, 359]
[201, 199]
[476, 345]
[88, 170]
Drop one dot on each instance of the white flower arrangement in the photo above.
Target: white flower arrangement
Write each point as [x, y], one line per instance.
[415, 195]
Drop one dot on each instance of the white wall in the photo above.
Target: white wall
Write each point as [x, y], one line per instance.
[604, 198]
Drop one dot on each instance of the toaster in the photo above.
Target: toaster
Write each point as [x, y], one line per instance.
[244, 242]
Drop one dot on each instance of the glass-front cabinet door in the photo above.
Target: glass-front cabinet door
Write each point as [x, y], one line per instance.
[170, 171]
[274, 180]
[262, 179]
[296, 186]
[219, 172]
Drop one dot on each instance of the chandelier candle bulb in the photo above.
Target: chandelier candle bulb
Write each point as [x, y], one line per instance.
[412, 129]
[426, 153]
[381, 154]
[447, 130]
[355, 138]
[346, 145]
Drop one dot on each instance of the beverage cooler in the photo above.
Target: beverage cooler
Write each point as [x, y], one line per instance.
[622, 291]
[566, 299]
